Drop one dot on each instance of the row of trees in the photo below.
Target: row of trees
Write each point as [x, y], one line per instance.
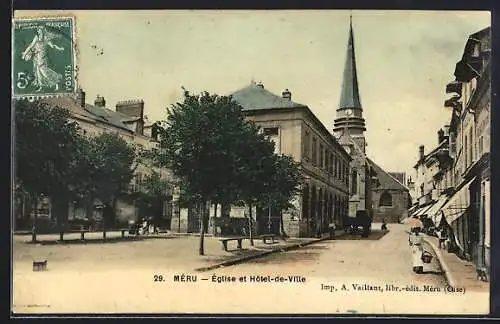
[217, 156]
[221, 158]
[54, 159]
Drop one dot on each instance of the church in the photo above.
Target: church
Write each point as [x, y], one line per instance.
[370, 187]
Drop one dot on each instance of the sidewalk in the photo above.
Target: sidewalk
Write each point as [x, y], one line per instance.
[458, 272]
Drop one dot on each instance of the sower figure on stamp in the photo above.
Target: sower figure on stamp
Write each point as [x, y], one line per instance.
[415, 241]
[37, 51]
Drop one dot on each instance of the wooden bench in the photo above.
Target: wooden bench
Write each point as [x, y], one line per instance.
[82, 232]
[266, 237]
[238, 239]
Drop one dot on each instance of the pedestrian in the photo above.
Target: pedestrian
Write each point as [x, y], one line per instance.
[384, 225]
[332, 228]
[415, 241]
[442, 236]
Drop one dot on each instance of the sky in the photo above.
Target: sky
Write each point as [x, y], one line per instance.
[404, 60]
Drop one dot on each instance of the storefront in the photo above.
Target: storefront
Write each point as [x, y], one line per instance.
[458, 214]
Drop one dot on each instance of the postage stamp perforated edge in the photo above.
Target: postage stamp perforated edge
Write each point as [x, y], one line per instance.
[34, 96]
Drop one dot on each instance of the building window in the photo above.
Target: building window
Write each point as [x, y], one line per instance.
[314, 151]
[138, 182]
[385, 199]
[321, 156]
[272, 133]
[354, 183]
[338, 168]
[471, 147]
[480, 140]
[327, 161]
[335, 169]
[453, 144]
[466, 152]
[307, 145]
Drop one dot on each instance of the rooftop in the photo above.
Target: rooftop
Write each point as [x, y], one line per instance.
[256, 97]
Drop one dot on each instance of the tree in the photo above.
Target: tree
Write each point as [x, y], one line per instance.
[283, 185]
[152, 194]
[46, 143]
[111, 164]
[255, 169]
[200, 144]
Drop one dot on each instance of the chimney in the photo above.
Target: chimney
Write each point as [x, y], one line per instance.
[287, 95]
[133, 108]
[421, 152]
[440, 135]
[99, 101]
[260, 85]
[80, 98]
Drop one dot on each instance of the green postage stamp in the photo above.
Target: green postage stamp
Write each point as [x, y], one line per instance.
[43, 57]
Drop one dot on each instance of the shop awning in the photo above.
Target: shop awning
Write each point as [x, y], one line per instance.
[434, 212]
[416, 211]
[457, 204]
[423, 210]
[412, 209]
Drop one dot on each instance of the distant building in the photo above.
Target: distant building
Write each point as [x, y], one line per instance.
[371, 188]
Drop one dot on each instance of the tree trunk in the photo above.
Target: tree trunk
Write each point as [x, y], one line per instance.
[215, 217]
[282, 226]
[250, 223]
[202, 229]
[35, 220]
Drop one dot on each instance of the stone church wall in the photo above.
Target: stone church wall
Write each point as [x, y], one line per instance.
[394, 213]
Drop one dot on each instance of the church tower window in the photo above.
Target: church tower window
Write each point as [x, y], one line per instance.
[354, 183]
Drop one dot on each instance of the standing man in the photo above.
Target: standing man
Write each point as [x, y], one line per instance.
[331, 227]
[443, 236]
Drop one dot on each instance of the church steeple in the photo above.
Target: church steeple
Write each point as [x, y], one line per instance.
[349, 97]
[350, 112]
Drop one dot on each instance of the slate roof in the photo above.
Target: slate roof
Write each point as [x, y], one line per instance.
[255, 97]
[92, 112]
[349, 96]
[385, 179]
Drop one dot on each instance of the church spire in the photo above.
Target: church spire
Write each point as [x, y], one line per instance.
[350, 112]
[349, 97]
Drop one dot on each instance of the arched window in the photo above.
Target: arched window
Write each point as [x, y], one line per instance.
[385, 199]
[354, 183]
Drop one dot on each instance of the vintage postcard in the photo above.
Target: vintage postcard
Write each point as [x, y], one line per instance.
[251, 162]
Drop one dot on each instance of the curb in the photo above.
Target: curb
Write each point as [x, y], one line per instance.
[447, 272]
[260, 254]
